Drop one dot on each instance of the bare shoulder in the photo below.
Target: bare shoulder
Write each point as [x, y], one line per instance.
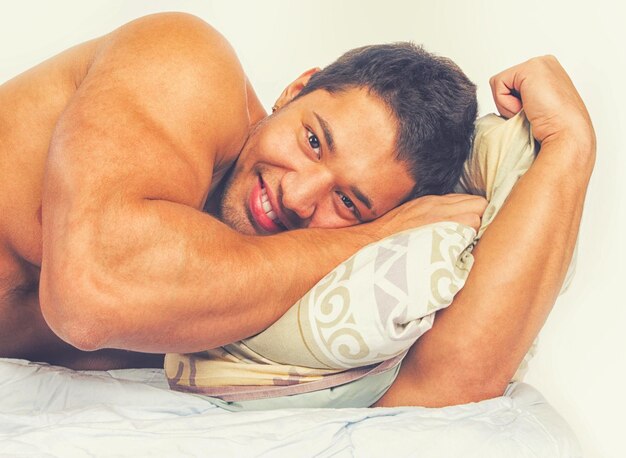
[178, 70]
[174, 39]
[165, 90]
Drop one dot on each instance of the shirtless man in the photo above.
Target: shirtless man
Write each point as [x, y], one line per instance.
[111, 150]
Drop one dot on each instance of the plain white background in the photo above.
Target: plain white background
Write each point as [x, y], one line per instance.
[580, 367]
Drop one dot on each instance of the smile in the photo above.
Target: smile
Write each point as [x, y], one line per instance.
[267, 206]
[262, 211]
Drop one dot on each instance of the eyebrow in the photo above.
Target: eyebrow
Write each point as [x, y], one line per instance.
[328, 135]
[363, 198]
[330, 141]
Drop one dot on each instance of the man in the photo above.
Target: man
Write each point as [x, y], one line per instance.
[141, 131]
[105, 246]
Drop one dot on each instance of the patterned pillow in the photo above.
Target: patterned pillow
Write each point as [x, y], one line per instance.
[375, 305]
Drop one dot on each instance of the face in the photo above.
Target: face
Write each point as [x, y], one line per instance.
[323, 160]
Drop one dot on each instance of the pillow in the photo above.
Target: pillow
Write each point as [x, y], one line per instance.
[371, 308]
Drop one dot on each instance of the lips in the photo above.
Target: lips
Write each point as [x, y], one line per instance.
[262, 210]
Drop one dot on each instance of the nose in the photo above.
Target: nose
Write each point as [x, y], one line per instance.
[302, 191]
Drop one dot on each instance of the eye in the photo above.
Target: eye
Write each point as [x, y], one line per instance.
[347, 202]
[314, 143]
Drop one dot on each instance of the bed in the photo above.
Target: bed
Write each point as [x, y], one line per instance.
[51, 411]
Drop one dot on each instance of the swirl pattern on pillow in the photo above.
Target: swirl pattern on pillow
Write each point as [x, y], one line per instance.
[375, 305]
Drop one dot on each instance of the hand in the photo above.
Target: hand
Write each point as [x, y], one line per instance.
[461, 208]
[552, 105]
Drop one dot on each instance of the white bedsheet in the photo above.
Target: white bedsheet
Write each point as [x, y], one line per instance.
[52, 411]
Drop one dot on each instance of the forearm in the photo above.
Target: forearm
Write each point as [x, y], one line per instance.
[158, 285]
[478, 342]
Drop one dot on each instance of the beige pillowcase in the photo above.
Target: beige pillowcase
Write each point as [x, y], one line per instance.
[375, 305]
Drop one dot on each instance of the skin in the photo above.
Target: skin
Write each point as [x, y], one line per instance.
[116, 184]
[314, 189]
[476, 344]
[105, 244]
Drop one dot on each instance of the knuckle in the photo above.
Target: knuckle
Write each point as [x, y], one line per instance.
[471, 220]
[544, 61]
[538, 61]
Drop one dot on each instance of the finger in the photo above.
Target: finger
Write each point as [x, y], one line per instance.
[464, 199]
[469, 219]
[453, 195]
[471, 206]
[475, 208]
[480, 206]
[454, 198]
[505, 95]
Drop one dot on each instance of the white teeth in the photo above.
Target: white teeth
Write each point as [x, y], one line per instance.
[267, 206]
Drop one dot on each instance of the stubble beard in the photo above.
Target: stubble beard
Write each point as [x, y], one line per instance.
[233, 211]
[228, 208]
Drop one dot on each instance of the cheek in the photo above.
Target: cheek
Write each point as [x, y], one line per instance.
[266, 147]
[255, 147]
[278, 147]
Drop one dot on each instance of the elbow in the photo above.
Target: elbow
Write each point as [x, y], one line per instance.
[474, 384]
[463, 381]
[80, 335]
[76, 331]
[479, 390]
[72, 313]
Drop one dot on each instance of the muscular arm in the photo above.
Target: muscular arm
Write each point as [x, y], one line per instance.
[129, 260]
[479, 341]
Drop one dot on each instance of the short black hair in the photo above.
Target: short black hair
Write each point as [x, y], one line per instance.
[433, 101]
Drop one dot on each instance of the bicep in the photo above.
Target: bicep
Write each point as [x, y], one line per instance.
[142, 126]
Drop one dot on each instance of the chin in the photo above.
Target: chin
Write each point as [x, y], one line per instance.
[236, 220]
[230, 209]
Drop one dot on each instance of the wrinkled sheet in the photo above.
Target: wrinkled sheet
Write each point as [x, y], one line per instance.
[52, 411]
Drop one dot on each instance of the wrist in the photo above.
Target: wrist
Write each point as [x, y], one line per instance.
[574, 150]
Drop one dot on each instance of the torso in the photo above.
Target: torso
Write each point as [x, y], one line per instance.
[30, 105]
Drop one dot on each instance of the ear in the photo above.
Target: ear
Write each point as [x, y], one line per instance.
[295, 87]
